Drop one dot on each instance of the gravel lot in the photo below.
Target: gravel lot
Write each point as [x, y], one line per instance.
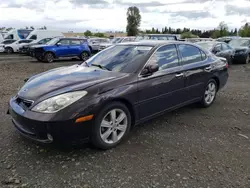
[190, 147]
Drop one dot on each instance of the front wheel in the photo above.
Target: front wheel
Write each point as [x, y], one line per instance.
[111, 126]
[49, 57]
[209, 93]
[84, 56]
[9, 50]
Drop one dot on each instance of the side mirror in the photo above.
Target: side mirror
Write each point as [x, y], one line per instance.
[59, 44]
[150, 69]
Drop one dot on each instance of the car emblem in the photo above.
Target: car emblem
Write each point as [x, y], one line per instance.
[24, 90]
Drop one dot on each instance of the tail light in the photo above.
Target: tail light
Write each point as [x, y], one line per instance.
[227, 65]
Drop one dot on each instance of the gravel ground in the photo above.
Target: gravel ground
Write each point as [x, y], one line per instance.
[190, 147]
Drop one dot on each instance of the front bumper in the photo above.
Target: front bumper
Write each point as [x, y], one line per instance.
[47, 131]
[239, 58]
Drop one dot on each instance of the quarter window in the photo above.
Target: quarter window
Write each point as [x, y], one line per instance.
[225, 47]
[189, 54]
[165, 57]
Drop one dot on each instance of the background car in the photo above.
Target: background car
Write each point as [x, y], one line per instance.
[156, 37]
[14, 47]
[62, 47]
[26, 49]
[116, 40]
[94, 43]
[118, 88]
[242, 50]
[220, 49]
[227, 39]
[5, 42]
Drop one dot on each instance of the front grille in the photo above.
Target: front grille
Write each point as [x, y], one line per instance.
[25, 104]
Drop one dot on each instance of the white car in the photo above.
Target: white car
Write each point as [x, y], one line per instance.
[5, 42]
[14, 47]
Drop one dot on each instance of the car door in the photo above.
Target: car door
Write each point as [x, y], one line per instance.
[75, 47]
[62, 48]
[163, 89]
[228, 52]
[197, 70]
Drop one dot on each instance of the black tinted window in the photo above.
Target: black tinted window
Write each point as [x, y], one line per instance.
[189, 54]
[34, 37]
[166, 57]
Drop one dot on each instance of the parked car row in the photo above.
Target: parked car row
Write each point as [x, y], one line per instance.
[236, 51]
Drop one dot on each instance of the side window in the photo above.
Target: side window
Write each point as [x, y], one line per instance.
[225, 47]
[75, 42]
[166, 57]
[64, 42]
[34, 37]
[217, 48]
[203, 55]
[189, 54]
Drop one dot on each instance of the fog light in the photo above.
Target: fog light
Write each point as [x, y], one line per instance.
[50, 137]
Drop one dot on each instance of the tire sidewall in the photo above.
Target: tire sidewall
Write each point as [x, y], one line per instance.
[81, 57]
[46, 57]
[96, 137]
[10, 50]
[204, 103]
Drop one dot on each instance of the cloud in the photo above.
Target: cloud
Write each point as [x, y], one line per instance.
[235, 10]
[192, 14]
[89, 2]
[141, 4]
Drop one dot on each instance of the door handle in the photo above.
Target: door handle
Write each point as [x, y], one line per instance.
[208, 68]
[179, 75]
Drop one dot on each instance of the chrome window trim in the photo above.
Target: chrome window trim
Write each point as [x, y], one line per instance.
[179, 56]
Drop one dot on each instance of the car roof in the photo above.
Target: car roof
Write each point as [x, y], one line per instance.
[155, 43]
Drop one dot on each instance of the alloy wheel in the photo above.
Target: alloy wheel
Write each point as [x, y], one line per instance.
[210, 93]
[85, 56]
[50, 57]
[113, 126]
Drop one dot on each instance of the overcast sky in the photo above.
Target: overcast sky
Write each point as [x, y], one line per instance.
[102, 15]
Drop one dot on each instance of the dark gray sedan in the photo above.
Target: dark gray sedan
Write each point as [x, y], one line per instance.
[220, 49]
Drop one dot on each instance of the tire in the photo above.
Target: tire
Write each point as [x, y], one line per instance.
[247, 59]
[49, 57]
[105, 133]
[209, 94]
[90, 48]
[9, 50]
[84, 56]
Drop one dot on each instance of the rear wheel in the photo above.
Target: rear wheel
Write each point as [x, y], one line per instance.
[111, 126]
[209, 93]
[9, 50]
[49, 57]
[84, 56]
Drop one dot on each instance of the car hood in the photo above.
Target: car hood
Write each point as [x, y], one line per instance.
[65, 79]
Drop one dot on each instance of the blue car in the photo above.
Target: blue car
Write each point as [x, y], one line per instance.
[60, 48]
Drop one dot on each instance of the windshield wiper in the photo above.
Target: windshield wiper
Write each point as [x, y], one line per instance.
[100, 66]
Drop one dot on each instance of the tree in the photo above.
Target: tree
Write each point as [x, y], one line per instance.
[223, 28]
[133, 21]
[245, 30]
[87, 33]
[188, 35]
[99, 34]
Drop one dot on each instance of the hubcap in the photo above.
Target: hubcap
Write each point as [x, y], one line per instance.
[210, 93]
[113, 126]
[50, 57]
[84, 56]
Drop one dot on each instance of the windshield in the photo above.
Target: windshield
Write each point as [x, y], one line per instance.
[116, 40]
[53, 41]
[117, 58]
[239, 43]
[206, 45]
[142, 38]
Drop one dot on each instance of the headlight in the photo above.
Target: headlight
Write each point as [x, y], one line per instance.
[57, 103]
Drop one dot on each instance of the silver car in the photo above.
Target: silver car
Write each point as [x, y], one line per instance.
[94, 43]
[116, 41]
